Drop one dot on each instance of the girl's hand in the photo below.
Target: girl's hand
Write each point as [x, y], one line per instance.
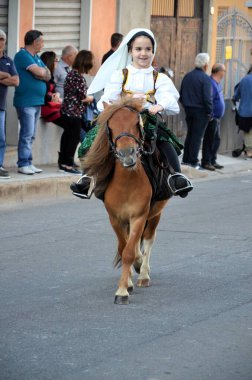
[155, 109]
[56, 97]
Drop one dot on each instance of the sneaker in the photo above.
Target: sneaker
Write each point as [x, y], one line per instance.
[36, 170]
[208, 167]
[26, 170]
[195, 166]
[218, 166]
[4, 174]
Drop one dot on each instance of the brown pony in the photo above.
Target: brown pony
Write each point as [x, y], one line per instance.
[114, 161]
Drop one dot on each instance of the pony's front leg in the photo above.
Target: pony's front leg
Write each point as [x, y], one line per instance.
[130, 281]
[128, 257]
[148, 240]
[143, 280]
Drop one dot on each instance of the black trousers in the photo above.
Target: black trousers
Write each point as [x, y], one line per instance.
[170, 154]
[70, 138]
[211, 142]
[197, 121]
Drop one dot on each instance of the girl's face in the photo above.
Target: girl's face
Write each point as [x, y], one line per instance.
[141, 52]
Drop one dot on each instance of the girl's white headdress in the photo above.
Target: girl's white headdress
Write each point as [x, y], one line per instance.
[118, 60]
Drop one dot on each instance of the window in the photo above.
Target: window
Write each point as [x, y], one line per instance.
[170, 8]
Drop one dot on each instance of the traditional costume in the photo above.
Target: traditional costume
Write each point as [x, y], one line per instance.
[117, 76]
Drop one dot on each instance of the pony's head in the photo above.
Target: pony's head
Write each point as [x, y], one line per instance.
[125, 130]
[100, 160]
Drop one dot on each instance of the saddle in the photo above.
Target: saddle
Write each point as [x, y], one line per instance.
[157, 171]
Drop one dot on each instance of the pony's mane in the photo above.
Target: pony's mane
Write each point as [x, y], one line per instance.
[124, 101]
[99, 161]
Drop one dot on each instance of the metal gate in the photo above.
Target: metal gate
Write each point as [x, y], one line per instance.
[59, 20]
[235, 30]
[4, 15]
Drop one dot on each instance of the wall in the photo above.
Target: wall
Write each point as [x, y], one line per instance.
[133, 14]
[225, 4]
[107, 17]
[26, 19]
[103, 24]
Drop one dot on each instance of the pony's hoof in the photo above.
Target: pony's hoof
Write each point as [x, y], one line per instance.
[145, 283]
[121, 300]
[130, 289]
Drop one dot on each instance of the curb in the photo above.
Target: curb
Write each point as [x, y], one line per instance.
[52, 185]
[23, 191]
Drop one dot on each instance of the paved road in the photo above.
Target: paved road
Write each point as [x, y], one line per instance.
[58, 320]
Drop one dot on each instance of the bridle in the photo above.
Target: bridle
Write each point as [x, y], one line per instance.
[139, 141]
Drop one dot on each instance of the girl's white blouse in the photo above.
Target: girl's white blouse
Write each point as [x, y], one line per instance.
[141, 81]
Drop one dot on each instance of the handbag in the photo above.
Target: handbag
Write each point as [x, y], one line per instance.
[91, 113]
[51, 111]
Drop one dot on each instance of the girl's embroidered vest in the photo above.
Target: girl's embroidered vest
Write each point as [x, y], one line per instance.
[149, 95]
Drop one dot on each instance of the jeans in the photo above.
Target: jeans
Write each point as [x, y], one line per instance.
[2, 137]
[211, 142]
[197, 121]
[28, 118]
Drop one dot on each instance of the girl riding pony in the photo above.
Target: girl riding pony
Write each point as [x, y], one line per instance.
[131, 72]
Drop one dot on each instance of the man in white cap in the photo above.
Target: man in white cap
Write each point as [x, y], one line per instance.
[8, 77]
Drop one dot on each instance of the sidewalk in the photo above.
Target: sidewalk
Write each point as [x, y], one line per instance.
[54, 184]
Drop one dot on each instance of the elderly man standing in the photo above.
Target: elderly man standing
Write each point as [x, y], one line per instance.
[63, 67]
[29, 96]
[196, 98]
[211, 141]
[8, 77]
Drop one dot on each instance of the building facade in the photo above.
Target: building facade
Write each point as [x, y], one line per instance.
[223, 28]
[87, 24]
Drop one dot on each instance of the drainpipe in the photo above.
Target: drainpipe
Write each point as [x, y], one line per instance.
[207, 27]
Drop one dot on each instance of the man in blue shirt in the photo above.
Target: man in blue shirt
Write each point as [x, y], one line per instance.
[29, 96]
[211, 141]
[196, 98]
[8, 77]
[243, 94]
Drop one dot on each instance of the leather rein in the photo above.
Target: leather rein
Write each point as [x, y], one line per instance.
[139, 141]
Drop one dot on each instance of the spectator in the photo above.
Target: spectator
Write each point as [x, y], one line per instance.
[243, 93]
[64, 66]
[50, 112]
[196, 98]
[8, 77]
[50, 60]
[29, 96]
[116, 39]
[211, 140]
[74, 104]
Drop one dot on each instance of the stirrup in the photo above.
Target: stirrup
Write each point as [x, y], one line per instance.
[90, 190]
[173, 184]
